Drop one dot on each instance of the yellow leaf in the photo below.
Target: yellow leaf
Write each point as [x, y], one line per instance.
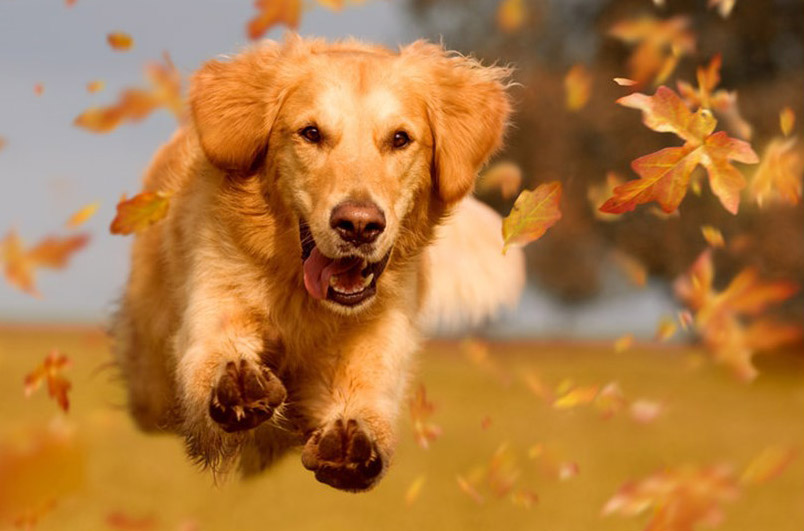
[415, 488]
[787, 120]
[120, 41]
[80, 217]
[713, 236]
[578, 87]
[767, 465]
[140, 212]
[511, 15]
[533, 213]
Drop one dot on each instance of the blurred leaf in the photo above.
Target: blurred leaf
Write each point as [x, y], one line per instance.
[724, 7]
[503, 176]
[511, 15]
[421, 410]
[625, 82]
[787, 120]
[120, 41]
[713, 236]
[39, 89]
[633, 268]
[578, 87]
[140, 212]
[768, 465]
[21, 264]
[125, 522]
[533, 213]
[623, 343]
[778, 177]
[413, 491]
[645, 411]
[96, 86]
[50, 371]
[80, 217]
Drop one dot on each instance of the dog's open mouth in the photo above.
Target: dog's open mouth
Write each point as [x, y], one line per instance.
[347, 281]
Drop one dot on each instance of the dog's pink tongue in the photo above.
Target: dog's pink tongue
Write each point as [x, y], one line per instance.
[318, 269]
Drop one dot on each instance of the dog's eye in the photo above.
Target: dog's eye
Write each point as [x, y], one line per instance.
[311, 134]
[401, 139]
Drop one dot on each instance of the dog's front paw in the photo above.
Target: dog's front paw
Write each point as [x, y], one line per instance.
[245, 396]
[344, 455]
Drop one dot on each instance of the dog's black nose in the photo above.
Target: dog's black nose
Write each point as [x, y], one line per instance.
[357, 222]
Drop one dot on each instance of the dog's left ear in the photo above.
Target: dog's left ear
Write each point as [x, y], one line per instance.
[468, 109]
[234, 105]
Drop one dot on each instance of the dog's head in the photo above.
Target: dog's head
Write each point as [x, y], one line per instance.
[365, 147]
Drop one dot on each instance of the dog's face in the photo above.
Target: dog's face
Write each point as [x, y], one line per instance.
[356, 141]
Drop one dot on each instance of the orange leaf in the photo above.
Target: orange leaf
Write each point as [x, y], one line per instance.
[420, 412]
[787, 120]
[21, 264]
[271, 13]
[39, 89]
[578, 87]
[575, 397]
[778, 177]
[505, 176]
[140, 212]
[3, 142]
[623, 343]
[119, 41]
[533, 213]
[50, 371]
[413, 491]
[665, 329]
[511, 15]
[136, 104]
[665, 174]
[633, 268]
[80, 217]
[95, 86]
[768, 465]
[713, 236]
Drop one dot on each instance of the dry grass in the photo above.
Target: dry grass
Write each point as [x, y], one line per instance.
[710, 418]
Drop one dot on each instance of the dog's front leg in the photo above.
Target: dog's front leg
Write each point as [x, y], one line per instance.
[356, 406]
[225, 387]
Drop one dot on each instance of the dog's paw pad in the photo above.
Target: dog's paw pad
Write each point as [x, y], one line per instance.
[245, 396]
[344, 456]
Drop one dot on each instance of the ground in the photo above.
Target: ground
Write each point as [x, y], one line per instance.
[710, 418]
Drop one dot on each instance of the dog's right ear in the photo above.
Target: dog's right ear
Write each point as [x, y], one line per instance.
[234, 105]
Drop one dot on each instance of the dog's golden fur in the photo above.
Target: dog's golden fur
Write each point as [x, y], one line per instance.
[216, 298]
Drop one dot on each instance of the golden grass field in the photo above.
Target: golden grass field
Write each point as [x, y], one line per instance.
[710, 418]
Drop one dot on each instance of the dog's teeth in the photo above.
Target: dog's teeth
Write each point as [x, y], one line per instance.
[367, 280]
[364, 265]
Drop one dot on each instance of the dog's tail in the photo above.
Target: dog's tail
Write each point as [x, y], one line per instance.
[468, 278]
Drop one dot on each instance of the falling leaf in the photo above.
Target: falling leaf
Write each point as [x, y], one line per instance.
[119, 41]
[39, 89]
[578, 87]
[140, 212]
[96, 86]
[722, 102]
[787, 120]
[665, 174]
[645, 411]
[533, 213]
[665, 329]
[679, 499]
[575, 397]
[511, 15]
[633, 268]
[271, 13]
[720, 316]
[658, 45]
[135, 104]
[610, 400]
[80, 217]
[3, 142]
[537, 386]
[413, 491]
[469, 489]
[625, 82]
[50, 371]
[713, 236]
[685, 319]
[568, 471]
[525, 498]
[478, 353]
[623, 343]
[724, 7]
[485, 423]
[779, 175]
[503, 176]
[38, 468]
[421, 410]
[767, 465]
[51, 252]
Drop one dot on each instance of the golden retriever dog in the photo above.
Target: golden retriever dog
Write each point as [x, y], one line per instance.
[319, 215]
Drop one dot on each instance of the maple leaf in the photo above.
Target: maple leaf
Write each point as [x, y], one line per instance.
[679, 499]
[720, 316]
[140, 212]
[778, 176]
[665, 174]
[119, 41]
[20, 264]
[50, 371]
[505, 176]
[533, 213]
[38, 468]
[722, 102]
[274, 12]
[135, 104]
[578, 87]
[421, 410]
[659, 45]
[511, 15]
[81, 217]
